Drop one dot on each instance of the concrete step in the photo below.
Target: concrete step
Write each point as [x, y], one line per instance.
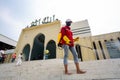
[53, 69]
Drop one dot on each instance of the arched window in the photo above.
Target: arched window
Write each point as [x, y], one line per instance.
[26, 51]
[38, 47]
[51, 47]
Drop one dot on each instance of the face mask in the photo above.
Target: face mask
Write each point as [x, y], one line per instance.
[68, 23]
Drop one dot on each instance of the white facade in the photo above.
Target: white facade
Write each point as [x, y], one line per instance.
[81, 29]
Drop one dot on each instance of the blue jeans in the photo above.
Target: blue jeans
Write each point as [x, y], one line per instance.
[74, 53]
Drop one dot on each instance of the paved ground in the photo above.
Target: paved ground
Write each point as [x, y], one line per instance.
[53, 70]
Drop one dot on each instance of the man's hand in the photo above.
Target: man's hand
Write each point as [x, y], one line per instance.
[76, 39]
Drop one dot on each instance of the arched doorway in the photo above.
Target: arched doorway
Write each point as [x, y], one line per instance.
[38, 47]
[51, 46]
[78, 49]
[26, 51]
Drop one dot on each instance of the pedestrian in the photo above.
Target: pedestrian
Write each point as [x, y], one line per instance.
[13, 57]
[19, 61]
[0, 56]
[67, 43]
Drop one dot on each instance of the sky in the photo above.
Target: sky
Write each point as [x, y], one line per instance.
[103, 15]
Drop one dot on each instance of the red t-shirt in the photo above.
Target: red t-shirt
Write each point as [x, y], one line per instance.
[14, 56]
[67, 31]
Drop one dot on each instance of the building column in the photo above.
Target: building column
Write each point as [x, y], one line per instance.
[99, 50]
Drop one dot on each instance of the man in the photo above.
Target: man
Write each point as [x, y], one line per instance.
[67, 43]
[13, 57]
[19, 61]
[0, 56]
